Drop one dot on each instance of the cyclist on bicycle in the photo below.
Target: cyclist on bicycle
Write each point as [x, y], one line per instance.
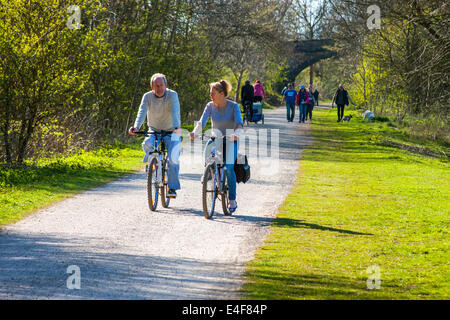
[162, 109]
[247, 96]
[226, 120]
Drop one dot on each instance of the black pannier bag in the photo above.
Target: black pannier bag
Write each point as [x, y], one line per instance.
[242, 169]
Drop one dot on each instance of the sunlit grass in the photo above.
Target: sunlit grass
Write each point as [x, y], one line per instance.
[46, 181]
[356, 204]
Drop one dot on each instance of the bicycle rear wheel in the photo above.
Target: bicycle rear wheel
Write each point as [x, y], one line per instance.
[209, 190]
[152, 184]
[165, 188]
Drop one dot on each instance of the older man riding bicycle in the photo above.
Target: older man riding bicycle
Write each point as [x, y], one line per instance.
[162, 109]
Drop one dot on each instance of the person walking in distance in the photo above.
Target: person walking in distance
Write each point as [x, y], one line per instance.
[311, 104]
[341, 98]
[316, 97]
[290, 95]
[302, 102]
[259, 91]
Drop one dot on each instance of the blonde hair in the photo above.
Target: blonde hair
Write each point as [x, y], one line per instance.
[221, 86]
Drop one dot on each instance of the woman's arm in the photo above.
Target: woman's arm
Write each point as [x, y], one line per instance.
[237, 117]
[203, 120]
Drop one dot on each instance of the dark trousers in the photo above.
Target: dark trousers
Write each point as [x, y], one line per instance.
[309, 111]
[248, 107]
[258, 98]
[340, 111]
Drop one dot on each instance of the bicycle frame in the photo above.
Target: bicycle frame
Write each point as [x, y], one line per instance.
[157, 182]
[214, 181]
[218, 168]
[159, 152]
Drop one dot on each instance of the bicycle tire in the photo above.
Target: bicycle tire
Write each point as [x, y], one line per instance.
[225, 197]
[152, 185]
[209, 189]
[165, 201]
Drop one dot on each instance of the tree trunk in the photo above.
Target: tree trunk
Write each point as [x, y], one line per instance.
[5, 130]
[238, 85]
[172, 37]
[26, 138]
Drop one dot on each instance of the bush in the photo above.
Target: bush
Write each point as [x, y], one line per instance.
[381, 119]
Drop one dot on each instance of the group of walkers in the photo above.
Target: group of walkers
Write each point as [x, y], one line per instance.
[304, 99]
[162, 109]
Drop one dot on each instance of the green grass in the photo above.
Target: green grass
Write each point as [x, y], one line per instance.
[357, 203]
[47, 181]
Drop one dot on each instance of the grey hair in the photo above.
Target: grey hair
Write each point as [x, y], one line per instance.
[156, 76]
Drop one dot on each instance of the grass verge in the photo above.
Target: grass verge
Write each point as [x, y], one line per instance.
[46, 181]
[357, 205]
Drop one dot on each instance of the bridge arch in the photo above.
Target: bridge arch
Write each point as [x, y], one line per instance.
[304, 53]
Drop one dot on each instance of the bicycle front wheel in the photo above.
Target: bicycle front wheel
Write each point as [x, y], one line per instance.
[209, 190]
[152, 184]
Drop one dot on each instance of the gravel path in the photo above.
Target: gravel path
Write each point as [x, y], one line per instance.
[124, 251]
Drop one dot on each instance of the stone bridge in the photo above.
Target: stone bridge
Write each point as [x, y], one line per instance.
[304, 53]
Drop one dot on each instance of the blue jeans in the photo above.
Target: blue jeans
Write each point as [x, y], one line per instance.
[231, 156]
[172, 143]
[302, 108]
[290, 111]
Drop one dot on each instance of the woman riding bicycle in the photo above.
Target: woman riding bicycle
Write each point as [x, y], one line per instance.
[226, 120]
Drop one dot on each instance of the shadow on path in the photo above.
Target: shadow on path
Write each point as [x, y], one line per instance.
[40, 272]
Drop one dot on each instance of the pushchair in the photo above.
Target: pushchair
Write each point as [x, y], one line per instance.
[255, 116]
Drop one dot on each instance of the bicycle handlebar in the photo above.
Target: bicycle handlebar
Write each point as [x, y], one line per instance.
[148, 133]
[203, 135]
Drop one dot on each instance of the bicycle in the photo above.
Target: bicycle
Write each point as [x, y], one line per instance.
[157, 173]
[214, 182]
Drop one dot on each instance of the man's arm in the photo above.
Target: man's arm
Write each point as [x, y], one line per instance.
[142, 113]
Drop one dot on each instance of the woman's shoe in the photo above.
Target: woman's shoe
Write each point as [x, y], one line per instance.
[232, 209]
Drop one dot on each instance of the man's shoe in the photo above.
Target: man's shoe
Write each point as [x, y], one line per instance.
[172, 194]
